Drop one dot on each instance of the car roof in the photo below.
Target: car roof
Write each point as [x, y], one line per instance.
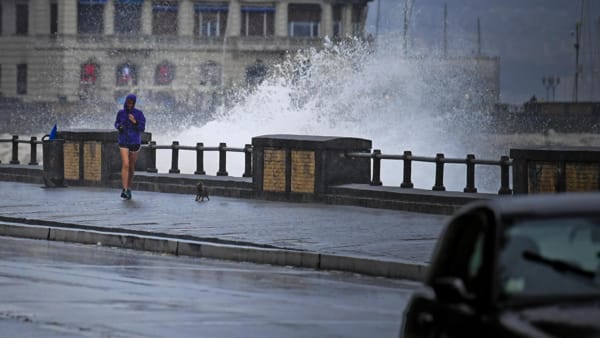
[542, 204]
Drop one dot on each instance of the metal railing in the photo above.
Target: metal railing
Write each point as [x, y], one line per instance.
[33, 142]
[470, 162]
[199, 148]
[407, 157]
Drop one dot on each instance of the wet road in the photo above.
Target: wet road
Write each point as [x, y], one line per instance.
[53, 289]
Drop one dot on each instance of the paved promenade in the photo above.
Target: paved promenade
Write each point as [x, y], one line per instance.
[402, 239]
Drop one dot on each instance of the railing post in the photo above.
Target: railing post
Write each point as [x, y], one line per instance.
[376, 167]
[15, 150]
[248, 160]
[439, 173]
[504, 176]
[151, 158]
[407, 172]
[174, 158]
[470, 174]
[33, 151]
[199, 159]
[222, 160]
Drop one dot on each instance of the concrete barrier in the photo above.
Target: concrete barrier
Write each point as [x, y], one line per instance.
[173, 246]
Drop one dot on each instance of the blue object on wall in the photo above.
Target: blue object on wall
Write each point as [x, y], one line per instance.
[53, 133]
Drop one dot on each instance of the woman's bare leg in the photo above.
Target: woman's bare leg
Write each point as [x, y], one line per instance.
[132, 159]
[125, 167]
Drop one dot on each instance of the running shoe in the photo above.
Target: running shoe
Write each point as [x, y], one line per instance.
[128, 194]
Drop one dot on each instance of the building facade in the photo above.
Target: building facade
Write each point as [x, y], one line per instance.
[182, 50]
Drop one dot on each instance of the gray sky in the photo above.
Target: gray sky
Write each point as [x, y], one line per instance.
[533, 39]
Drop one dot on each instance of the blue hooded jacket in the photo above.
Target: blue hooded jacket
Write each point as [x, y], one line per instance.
[130, 133]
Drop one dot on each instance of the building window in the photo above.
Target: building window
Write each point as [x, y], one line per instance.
[258, 21]
[164, 18]
[164, 73]
[304, 20]
[337, 21]
[128, 17]
[54, 18]
[256, 73]
[210, 19]
[89, 73]
[22, 79]
[210, 74]
[22, 12]
[90, 17]
[127, 74]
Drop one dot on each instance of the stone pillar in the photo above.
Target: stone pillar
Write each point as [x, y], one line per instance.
[555, 169]
[147, 17]
[281, 19]
[9, 17]
[326, 20]
[346, 20]
[109, 17]
[298, 167]
[234, 19]
[39, 17]
[67, 17]
[91, 156]
[185, 18]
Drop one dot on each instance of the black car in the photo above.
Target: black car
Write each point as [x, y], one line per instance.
[514, 267]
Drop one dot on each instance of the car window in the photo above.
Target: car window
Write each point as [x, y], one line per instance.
[461, 251]
[550, 257]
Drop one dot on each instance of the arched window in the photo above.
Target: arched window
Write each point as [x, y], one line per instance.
[89, 73]
[127, 74]
[164, 73]
[210, 74]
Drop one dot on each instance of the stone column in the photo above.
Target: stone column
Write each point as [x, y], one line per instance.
[185, 18]
[67, 17]
[109, 17]
[281, 19]
[39, 17]
[234, 19]
[8, 18]
[326, 20]
[346, 20]
[147, 17]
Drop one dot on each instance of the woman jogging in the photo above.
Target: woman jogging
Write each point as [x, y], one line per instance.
[130, 123]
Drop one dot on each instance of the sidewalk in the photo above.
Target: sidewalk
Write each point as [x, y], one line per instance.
[377, 235]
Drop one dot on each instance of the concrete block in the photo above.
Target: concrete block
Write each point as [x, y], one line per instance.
[260, 255]
[114, 240]
[389, 269]
[25, 231]
[189, 248]
[161, 245]
[83, 237]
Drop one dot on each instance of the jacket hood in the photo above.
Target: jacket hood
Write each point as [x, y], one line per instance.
[129, 97]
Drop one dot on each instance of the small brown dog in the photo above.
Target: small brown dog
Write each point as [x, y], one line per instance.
[201, 192]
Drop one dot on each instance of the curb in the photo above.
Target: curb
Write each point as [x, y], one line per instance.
[241, 253]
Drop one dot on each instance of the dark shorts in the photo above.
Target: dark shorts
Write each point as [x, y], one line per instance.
[132, 147]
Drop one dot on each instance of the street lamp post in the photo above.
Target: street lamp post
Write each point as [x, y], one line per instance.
[577, 67]
[551, 82]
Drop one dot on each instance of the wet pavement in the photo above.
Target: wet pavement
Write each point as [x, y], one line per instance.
[55, 289]
[328, 229]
